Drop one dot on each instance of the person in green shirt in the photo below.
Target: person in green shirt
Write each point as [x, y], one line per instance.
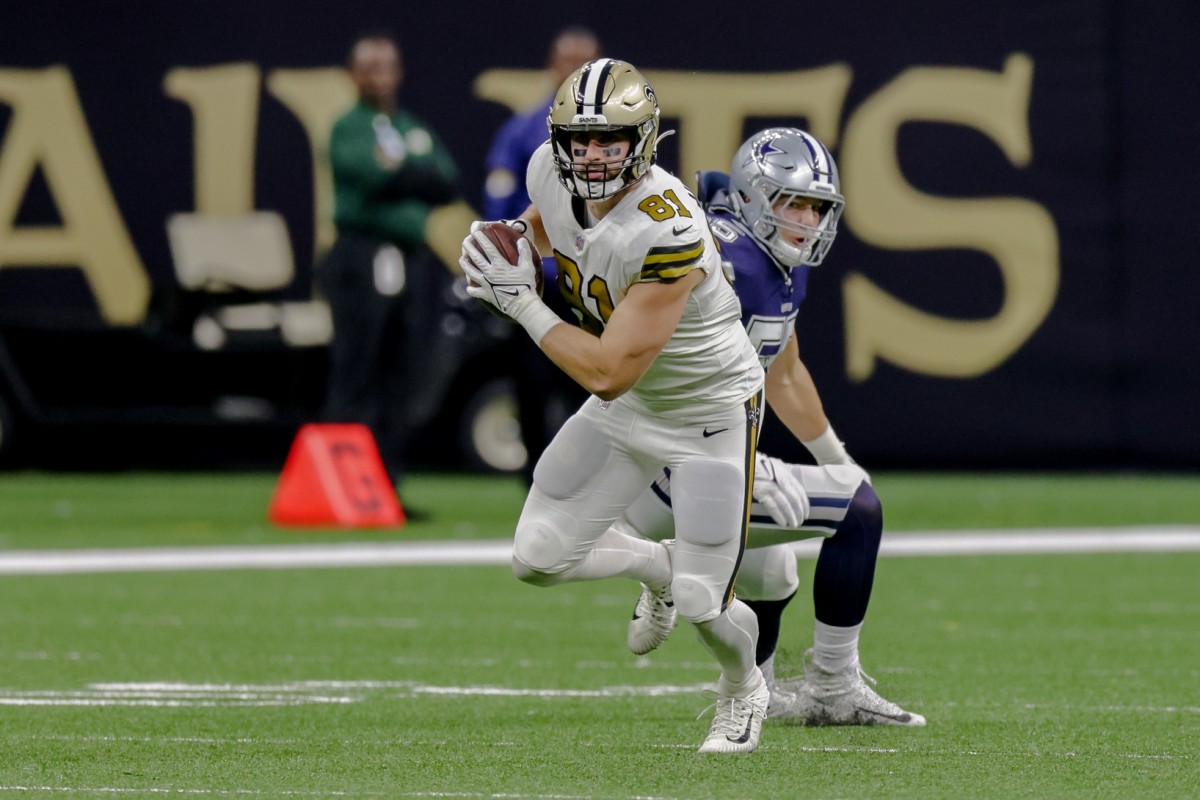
[389, 171]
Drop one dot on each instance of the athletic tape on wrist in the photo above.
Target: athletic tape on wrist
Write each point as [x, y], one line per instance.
[828, 448]
[533, 315]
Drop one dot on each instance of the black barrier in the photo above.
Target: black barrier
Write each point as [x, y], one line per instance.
[1013, 285]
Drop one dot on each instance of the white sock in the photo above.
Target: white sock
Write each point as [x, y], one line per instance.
[835, 649]
[617, 555]
[731, 638]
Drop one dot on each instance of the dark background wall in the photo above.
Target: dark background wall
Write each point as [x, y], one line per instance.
[1015, 283]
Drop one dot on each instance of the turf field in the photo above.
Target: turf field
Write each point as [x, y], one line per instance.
[1071, 675]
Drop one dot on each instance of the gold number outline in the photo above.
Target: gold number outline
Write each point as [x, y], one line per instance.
[570, 284]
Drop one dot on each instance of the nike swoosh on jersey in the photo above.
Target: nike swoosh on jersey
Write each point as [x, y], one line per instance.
[707, 433]
[680, 230]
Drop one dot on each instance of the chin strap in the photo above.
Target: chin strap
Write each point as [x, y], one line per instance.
[583, 186]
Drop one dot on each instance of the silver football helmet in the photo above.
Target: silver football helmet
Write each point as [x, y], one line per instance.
[779, 164]
[605, 95]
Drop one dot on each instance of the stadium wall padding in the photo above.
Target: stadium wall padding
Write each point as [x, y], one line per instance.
[1014, 284]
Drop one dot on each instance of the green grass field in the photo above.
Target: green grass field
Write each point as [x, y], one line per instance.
[1072, 676]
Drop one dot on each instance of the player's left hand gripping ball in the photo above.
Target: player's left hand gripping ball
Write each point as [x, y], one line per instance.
[501, 266]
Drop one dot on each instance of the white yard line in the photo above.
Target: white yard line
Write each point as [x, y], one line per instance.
[1145, 539]
[180, 695]
[209, 695]
[157, 790]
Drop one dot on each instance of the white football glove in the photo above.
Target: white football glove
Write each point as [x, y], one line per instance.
[492, 279]
[520, 225]
[778, 491]
[828, 450]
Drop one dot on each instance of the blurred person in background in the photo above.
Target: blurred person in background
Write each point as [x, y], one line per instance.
[541, 388]
[775, 217]
[389, 171]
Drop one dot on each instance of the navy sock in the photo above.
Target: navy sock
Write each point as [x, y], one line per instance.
[769, 613]
[845, 569]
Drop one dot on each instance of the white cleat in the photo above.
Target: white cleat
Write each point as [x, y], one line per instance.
[782, 699]
[840, 698]
[738, 722]
[653, 617]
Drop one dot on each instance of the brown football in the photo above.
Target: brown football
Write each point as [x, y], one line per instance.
[505, 238]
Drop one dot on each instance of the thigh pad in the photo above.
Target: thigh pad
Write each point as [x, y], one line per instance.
[709, 500]
[578, 452]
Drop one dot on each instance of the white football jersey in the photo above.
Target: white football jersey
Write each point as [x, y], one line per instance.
[658, 231]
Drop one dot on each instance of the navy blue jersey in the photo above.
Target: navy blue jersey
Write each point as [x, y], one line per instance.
[769, 293]
[505, 196]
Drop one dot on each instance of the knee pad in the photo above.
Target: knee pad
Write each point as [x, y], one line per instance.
[695, 600]
[576, 453]
[540, 546]
[709, 498]
[768, 573]
[526, 574]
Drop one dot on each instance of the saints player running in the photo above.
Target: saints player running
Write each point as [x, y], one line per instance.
[775, 216]
[675, 379]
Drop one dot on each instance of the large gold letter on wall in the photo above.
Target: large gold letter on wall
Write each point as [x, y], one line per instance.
[317, 97]
[48, 130]
[712, 107]
[224, 103]
[885, 210]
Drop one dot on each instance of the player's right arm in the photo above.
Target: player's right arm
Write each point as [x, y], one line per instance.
[610, 364]
[793, 396]
[607, 364]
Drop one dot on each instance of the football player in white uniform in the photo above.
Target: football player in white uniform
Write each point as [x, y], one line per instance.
[675, 379]
[775, 217]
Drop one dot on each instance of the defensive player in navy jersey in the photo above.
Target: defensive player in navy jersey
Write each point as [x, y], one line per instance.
[775, 217]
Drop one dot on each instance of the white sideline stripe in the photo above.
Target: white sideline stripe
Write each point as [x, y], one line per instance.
[284, 556]
[1143, 539]
[180, 695]
[301, 793]
[207, 695]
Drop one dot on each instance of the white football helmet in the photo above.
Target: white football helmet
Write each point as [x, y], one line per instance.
[604, 95]
[783, 163]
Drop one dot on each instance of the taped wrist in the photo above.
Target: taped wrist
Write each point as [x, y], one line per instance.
[533, 315]
[828, 448]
